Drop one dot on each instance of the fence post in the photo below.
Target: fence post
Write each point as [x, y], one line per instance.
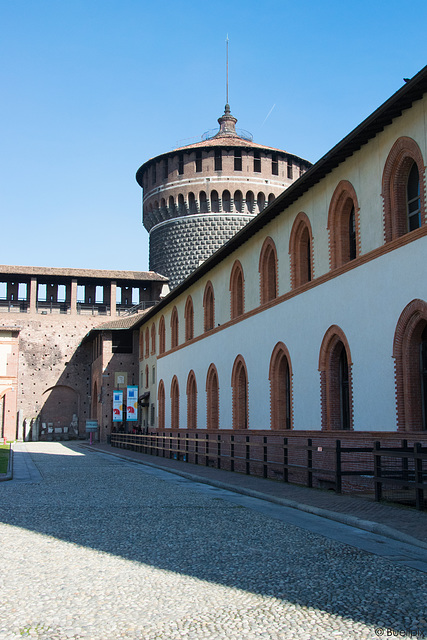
[219, 452]
[186, 447]
[232, 453]
[309, 463]
[248, 455]
[207, 450]
[377, 472]
[196, 449]
[418, 466]
[265, 457]
[338, 476]
[405, 461]
[285, 460]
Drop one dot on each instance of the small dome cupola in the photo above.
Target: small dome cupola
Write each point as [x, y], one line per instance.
[227, 124]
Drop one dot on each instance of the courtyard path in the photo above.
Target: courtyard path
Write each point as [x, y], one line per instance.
[97, 548]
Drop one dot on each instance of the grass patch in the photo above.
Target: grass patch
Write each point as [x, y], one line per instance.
[4, 457]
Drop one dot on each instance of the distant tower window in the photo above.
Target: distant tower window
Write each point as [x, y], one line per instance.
[181, 163]
[274, 165]
[290, 172]
[165, 169]
[198, 161]
[237, 159]
[257, 162]
[218, 160]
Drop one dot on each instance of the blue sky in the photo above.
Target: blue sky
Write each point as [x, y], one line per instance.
[90, 89]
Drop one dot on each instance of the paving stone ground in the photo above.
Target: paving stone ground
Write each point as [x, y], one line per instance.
[97, 549]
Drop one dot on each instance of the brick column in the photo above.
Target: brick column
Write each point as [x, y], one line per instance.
[73, 303]
[33, 295]
[113, 288]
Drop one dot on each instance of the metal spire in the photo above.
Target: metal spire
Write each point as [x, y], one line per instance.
[226, 101]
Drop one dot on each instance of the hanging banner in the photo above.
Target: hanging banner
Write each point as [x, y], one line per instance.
[117, 406]
[132, 403]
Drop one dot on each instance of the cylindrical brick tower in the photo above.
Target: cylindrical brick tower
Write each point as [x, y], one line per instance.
[197, 197]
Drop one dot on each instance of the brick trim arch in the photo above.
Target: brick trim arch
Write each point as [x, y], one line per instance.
[281, 413]
[147, 342]
[174, 328]
[141, 344]
[189, 319]
[268, 271]
[237, 290]
[212, 398]
[191, 401]
[333, 342]
[153, 339]
[162, 335]
[174, 403]
[301, 251]
[161, 403]
[403, 154]
[406, 346]
[209, 307]
[342, 201]
[240, 393]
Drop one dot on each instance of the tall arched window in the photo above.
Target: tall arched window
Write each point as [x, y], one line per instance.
[280, 388]
[192, 204]
[147, 377]
[226, 201]
[153, 338]
[250, 199]
[212, 398]
[238, 201]
[403, 189]
[260, 201]
[174, 328]
[410, 356]
[237, 291]
[162, 335]
[209, 307]
[203, 202]
[301, 251]
[161, 404]
[181, 205]
[342, 225]
[239, 384]
[147, 342]
[214, 201]
[268, 271]
[174, 403]
[191, 401]
[336, 381]
[189, 319]
[171, 206]
[141, 344]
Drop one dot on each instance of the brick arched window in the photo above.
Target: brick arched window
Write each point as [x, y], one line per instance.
[268, 271]
[336, 381]
[203, 202]
[239, 384]
[343, 225]
[212, 398]
[191, 401]
[161, 396]
[214, 201]
[162, 335]
[280, 377]
[147, 342]
[174, 403]
[403, 189]
[209, 307]
[189, 319]
[174, 328]
[301, 251]
[237, 290]
[153, 338]
[410, 357]
[226, 201]
[141, 344]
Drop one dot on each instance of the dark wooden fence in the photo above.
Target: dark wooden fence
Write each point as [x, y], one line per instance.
[400, 473]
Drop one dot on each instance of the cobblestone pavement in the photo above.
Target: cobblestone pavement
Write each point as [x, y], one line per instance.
[100, 550]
